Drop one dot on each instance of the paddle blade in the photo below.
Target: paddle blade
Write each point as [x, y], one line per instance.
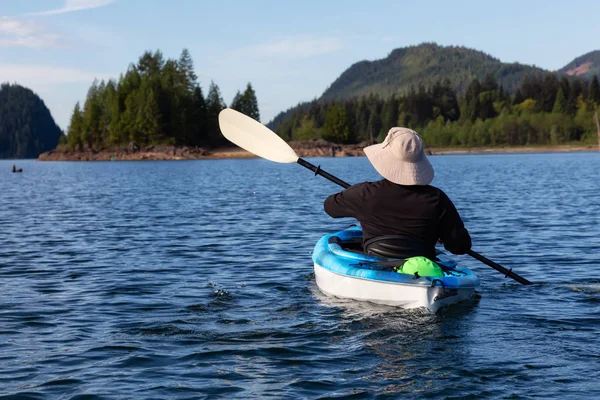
[254, 137]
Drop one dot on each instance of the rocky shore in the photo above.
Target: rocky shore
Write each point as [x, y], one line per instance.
[313, 148]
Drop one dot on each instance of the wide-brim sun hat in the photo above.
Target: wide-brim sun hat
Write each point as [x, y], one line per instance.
[401, 158]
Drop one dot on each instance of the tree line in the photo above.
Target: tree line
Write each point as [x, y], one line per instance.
[545, 110]
[156, 101]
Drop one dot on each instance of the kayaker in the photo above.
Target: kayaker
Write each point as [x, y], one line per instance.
[401, 215]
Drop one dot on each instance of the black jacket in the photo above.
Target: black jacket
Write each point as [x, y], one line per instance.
[385, 208]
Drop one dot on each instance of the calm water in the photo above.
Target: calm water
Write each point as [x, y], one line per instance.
[193, 279]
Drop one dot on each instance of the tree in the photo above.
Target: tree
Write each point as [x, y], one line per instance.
[198, 134]
[486, 108]
[92, 112]
[74, 137]
[560, 105]
[389, 113]
[214, 105]
[151, 64]
[250, 103]
[186, 66]
[549, 92]
[519, 98]
[337, 128]
[595, 90]
[147, 122]
[374, 126]
[237, 102]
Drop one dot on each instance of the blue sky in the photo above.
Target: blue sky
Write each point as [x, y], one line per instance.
[289, 50]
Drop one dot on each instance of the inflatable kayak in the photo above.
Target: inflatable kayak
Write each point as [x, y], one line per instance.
[342, 269]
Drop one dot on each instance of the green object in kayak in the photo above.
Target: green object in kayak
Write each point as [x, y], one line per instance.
[421, 265]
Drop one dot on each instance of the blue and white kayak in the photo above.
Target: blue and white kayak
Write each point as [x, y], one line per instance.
[342, 269]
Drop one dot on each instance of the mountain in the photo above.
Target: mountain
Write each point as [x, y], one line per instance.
[424, 65]
[27, 128]
[585, 66]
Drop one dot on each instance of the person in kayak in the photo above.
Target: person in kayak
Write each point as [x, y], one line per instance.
[401, 215]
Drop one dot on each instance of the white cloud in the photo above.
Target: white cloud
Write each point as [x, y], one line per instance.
[76, 5]
[33, 75]
[292, 47]
[18, 32]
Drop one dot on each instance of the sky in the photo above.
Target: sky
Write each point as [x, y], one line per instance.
[290, 51]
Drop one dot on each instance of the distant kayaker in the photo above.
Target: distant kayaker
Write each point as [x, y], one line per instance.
[401, 215]
[14, 169]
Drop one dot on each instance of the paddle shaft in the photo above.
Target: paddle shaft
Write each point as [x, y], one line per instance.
[326, 175]
[507, 272]
[498, 267]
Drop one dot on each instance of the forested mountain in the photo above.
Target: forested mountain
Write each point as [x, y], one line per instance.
[423, 65]
[585, 66]
[156, 101]
[27, 128]
[546, 110]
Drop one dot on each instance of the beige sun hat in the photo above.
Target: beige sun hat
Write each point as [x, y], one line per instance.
[400, 158]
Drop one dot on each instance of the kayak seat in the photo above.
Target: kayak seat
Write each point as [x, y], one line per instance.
[398, 246]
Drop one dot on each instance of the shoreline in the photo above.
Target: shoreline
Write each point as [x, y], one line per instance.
[303, 149]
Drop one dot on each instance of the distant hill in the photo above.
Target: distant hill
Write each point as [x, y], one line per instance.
[585, 66]
[27, 128]
[424, 65]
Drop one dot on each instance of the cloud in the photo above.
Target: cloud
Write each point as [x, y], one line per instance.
[34, 75]
[18, 32]
[292, 47]
[76, 5]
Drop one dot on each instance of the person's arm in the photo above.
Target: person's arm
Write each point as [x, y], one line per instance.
[346, 203]
[452, 232]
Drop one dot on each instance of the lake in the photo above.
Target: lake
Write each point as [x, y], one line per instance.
[193, 279]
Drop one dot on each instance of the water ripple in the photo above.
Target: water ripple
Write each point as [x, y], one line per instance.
[193, 279]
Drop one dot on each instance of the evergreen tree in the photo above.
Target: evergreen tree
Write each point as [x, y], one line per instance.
[374, 126]
[186, 66]
[573, 98]
[389, 113]
[594, 95]
[485, 109]
[489, 84]
[147, 123]
[361, 121]
[250, 103]
[151, 64]
[92, 112]
[519, 98]
[214, 105]
[337, 128]
[237, 102]
[199, 116]
[549, 92]
[560, 105]
[74, 137]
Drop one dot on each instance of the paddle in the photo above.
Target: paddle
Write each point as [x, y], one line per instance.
[256, 138]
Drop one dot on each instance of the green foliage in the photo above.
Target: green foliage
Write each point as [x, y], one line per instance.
[484, 116]
[156, 101]
[337, 128]
[595, 90]
[246, 103]
[307, 130]
[214, 105]
[424, 65]
[27, 128]
[560, 104]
